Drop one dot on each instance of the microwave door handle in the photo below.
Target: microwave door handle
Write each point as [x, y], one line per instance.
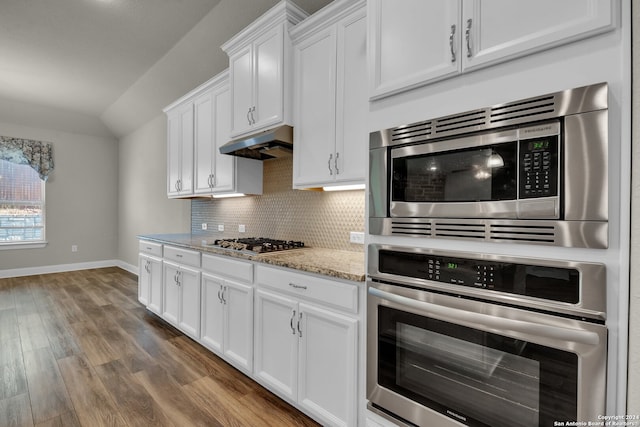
[471, 319]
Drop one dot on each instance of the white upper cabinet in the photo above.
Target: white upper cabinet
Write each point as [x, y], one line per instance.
[180, 151]
[259, 64]
[198, 124]
[330, 96]
[413, 42]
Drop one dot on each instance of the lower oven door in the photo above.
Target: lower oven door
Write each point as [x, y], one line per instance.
[441, 360]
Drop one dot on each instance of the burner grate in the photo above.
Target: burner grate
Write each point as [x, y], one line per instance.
[258, 244]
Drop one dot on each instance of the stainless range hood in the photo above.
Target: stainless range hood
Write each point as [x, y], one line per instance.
[269, 144]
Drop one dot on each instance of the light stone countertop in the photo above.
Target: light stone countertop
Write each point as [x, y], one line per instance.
[341, 264]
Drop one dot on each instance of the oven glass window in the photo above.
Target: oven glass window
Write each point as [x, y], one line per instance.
[475, 377]
[486, 173]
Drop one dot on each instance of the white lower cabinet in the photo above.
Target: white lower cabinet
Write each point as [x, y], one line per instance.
[227, 320]
[307, 353]
[181, 305]
[150, 275]
[150, 282]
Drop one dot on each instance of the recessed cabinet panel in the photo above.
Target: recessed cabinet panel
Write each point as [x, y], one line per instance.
[276, 346]
[327, 363]
[315, 64]
[242, 81]
[412, 41]
[269, 78]
[352, 104]
[223, 178]
[238, 320]
[203, 137]
[503, 29]
[212, 329]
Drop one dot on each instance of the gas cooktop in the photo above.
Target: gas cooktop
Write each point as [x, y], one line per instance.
[257, 244]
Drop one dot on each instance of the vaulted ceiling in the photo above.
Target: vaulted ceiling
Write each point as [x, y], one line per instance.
[98, 58]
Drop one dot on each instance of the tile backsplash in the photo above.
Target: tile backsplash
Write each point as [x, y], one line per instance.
[319, 219]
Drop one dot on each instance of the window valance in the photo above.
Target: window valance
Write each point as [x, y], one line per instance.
[37, 154]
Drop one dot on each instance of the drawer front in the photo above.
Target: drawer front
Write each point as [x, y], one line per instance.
[222, 266]
[151, 248]
[182, 256]
[325, 291]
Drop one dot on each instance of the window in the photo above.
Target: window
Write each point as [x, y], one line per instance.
[21, 204]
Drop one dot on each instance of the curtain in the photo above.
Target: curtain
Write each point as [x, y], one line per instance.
[37, 154]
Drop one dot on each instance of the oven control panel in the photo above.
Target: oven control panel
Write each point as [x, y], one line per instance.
[553, 283]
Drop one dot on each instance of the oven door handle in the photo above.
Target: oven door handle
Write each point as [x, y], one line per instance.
[471, 319]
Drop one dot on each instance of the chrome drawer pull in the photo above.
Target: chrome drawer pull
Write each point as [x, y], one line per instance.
[293, 285]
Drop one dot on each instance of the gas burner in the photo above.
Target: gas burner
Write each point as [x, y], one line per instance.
[258, 244]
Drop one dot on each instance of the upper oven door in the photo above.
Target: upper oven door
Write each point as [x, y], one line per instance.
[433, 359]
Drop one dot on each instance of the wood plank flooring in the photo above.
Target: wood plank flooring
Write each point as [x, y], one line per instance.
[77, 349]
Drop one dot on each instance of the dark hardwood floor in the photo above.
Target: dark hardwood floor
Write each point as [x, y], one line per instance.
[77, 349]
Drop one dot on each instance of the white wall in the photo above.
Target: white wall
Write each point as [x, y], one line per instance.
[81, 200]
[142, 193]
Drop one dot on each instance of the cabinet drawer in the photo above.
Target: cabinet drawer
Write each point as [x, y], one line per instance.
[335, 294]
[150, 248]
[231, 268]
[182, 256]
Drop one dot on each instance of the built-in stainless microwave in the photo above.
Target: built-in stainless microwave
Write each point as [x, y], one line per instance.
[532, 171]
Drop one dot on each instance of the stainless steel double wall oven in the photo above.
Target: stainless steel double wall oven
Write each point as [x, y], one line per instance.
[478, 339]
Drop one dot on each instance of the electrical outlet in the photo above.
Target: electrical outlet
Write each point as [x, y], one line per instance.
[204, 225]
[356, 237]
[74, 248]
[220, 227]
[242, 228]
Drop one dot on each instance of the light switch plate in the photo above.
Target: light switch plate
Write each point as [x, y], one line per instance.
[242, 228]
[220, 227]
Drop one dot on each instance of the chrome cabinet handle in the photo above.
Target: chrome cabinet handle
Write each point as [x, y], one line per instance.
[219, 297]
[490, 322]
[248, 118]
[176, 278]
[329, 164]
[451, 36]
[293, 285]
[467, 35]
[253, 119]
[224, 301]
[299, 321]
[293, 316]
[335, 163]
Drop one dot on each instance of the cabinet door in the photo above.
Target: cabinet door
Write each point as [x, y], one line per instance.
[497, 30]
[238, 319]
[144, 279]
[180, 151]
[156, 288]
[204, 144]
[276, 343]
[186, 150]
[315, 109]
[241, 80]
[171, 300]
[224, 164]
[269, 78]
[412, 42]
[174, 134]
[327, 369]
[212, 327]
[189, 284]
[352, 103]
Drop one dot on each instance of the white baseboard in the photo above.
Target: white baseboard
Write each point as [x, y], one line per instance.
[60, 268]
[133, 269]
